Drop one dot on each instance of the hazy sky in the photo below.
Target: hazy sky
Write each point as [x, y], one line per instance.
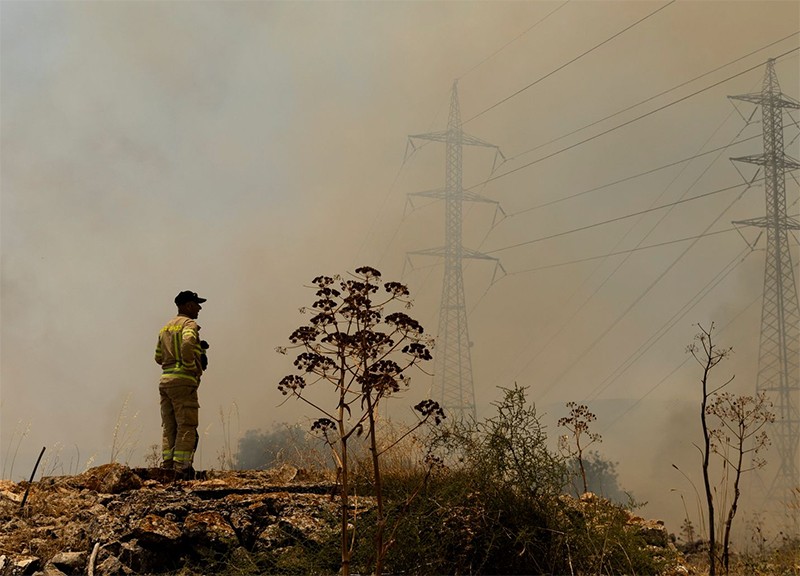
[239, 149]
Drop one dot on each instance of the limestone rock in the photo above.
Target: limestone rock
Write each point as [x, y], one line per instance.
[111, 566]
[109, 479]
[26, 564]
[69, 561]
[210, 528]
[51, 570]
[157, 530]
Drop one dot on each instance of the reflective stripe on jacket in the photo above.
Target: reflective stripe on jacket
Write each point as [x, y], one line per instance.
[178, 350]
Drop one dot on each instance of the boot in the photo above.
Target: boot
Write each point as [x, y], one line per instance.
[184, 473]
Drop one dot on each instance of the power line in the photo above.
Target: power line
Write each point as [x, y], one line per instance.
[631, 107]
[620, 252]
[619, 243]
[391, 188]
[490, 179]
[618, 218]
[707, 228]
[679, 366]
[628, 178]
[397, 176]
[484, 183]
[669, 324]
[629, 252]
[713, 283]
[640, 243]
[626, 123]
[375, 220]
[503, 47]
[646, 291]
[606, 41]
[507, 44]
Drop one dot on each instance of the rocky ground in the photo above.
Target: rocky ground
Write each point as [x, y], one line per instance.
[114, 520]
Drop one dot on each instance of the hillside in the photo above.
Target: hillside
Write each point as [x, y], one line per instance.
[116, 520]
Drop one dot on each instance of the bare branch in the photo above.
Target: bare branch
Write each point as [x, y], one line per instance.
[355, 344]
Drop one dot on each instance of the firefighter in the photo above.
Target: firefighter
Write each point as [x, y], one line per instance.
[181, 356]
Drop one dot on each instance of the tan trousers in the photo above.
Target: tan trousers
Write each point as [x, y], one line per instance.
[179, 418]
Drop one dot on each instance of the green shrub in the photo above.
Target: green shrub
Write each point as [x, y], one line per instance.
[484, 508]
[495, 505]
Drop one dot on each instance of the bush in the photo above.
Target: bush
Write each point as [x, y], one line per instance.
[483, 497]
[598, 536]
[474, 498]
[284, 444]
[494, 504]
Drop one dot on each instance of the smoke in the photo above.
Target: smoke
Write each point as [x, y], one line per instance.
[241, 149]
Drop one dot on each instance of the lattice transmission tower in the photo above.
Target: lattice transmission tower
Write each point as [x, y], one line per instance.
[453, 386]
[779, 349]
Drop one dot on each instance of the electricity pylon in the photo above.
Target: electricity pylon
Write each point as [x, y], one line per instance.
[452, 379]
[779, 350]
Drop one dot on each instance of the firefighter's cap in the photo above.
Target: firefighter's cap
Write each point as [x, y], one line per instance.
[188, 296]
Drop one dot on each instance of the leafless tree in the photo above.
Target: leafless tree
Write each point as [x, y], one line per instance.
[708, 355]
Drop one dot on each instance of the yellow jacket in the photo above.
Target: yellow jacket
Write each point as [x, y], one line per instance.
[178, 351]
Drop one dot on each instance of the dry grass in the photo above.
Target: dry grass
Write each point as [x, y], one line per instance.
[401, 455]
[125, 437]
[781, 561]
[14, 443]
[45, 524]
[225, 457]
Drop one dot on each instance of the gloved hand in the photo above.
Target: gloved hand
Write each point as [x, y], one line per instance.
[203, 356]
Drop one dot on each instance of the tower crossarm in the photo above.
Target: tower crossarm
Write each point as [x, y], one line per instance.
[472, 197]
[467, 253]
[788, 223]
[440, 251]
[778, 99]
[435, 193]
[464, 253]
[783, 160]
[442, 136]
[441, 194]
[770, 95]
